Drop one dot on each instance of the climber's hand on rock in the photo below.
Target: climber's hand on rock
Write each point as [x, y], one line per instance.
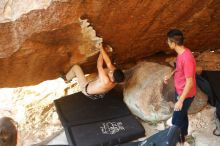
[99, 46]
[166, 78]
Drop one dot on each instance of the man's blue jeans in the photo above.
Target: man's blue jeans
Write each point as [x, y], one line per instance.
[180, 118]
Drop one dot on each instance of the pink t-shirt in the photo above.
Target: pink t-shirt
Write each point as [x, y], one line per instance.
[185, 67]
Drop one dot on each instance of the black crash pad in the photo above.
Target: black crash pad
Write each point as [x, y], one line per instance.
[167, 137]
[102, 122]
[204, 85]
[213, 77]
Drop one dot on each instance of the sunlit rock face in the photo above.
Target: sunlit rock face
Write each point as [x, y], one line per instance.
[40, 39]
[13, 9]
[32, 108]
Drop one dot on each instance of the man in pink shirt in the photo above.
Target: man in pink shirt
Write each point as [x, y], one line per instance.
[184, 79]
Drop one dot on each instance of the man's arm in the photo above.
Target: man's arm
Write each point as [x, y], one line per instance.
[182, 97]
[107, 59]
[101, 71]
[187, 88]
[171, 74]
[167, 77]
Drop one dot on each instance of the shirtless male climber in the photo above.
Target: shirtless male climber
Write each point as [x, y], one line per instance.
[106, 80]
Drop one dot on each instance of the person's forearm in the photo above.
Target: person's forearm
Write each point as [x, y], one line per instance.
[186, 90]
[100, 61]
[171, 74]
[106, 58]
[168, 76]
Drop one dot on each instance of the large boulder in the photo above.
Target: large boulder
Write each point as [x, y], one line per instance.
[199, 102]
[143, 92]
[149, 98]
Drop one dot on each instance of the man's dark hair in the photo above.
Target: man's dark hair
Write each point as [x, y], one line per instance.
[8, 132]
[176, 36]
[118, 76]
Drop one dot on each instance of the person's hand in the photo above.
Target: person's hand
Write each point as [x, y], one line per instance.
[178, 106]
[99, 46]
[108, 49]
[166, 78]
